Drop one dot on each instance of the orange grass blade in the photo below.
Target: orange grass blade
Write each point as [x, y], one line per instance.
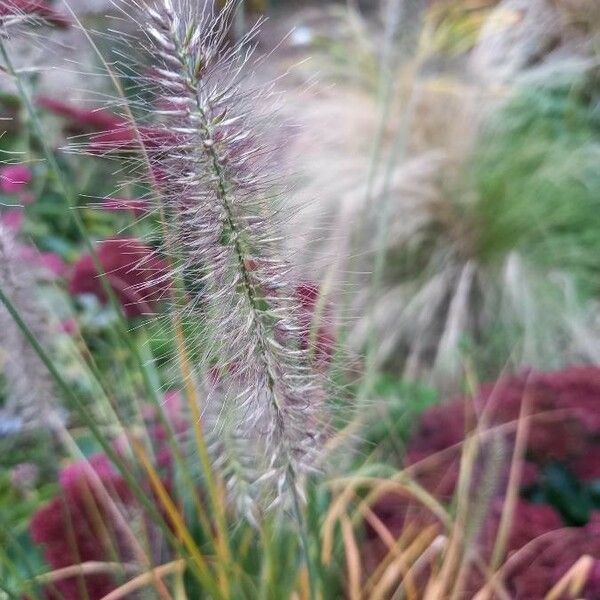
[573, 581]
[388, 539]
[174, 516]
[512, 491]
[85, 568]
[352, 559]
[175, 567]
[424, 546]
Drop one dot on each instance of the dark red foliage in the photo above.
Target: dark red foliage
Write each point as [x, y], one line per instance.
[565, 424]
[529, 521]
[565, 427]
[37, 8]
[13, 178]
[139, 277]
[541, 552]
[587, 466]
[79, 525]
[109, 133]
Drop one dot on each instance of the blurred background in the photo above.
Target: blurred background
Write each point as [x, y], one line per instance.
[444, 163]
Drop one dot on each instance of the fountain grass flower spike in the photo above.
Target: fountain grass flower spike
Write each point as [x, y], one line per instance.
[265, 412]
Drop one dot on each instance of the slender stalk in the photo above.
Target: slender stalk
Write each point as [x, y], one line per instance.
[512, 487]
[229, 232]
[216, 499]
[142, 580]
[304, 543]
[257, 319]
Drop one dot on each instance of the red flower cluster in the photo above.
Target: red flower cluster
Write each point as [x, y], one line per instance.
[79, 525]
[109, 133]
[14, 181]
[125, 139]
[564, 427]
[135, 272]
[13, 178]
[541, 550]
[76, 527]
[565, 423]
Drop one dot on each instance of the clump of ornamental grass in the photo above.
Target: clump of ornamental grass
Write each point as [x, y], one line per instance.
[489, 202]
[259, 362]
[498, 263]
[535, 173]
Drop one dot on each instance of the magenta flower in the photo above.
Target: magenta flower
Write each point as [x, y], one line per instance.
[75, 527]
[13, 178]
[139, 277]
[111, 133]
[69, 326]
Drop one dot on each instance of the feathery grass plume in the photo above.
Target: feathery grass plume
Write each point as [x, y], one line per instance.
[491, 210]
[30, 401]
[265, 407]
